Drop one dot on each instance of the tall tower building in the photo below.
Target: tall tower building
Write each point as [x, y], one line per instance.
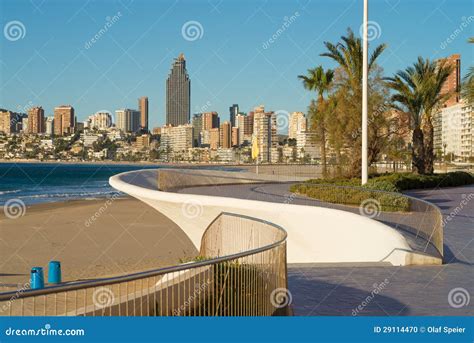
[128, 120]
[226, 135]
[265, 128]
[36, 120]
[178, 94]
[210, 120]
[297, 124]
[197, 128]
[453, 82]
[143, 108]
[63, 120]
[233, 112]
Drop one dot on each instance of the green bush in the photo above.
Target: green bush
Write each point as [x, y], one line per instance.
[393, 183]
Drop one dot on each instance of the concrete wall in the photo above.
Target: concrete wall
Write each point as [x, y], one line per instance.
[315, 234]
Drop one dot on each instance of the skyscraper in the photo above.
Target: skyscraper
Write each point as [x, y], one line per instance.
[197, 128]
[36, 120]
[143, 108]
[63, 120]
[178, 94]
[225, 135]
[233, 112]
[265, 128]
[210, 120]
[128, 120]
[297, 124]
[453, 82]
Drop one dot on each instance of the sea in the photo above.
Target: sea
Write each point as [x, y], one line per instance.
[34, 183]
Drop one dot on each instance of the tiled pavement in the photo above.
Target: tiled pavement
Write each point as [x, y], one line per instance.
[385, 290]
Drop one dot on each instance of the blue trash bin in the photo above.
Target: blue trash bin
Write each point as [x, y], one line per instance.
[37, 278]
[54, 272]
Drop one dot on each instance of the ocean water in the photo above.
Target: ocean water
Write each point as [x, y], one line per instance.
[51, 182]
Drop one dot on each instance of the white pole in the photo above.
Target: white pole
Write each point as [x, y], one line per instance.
[364, 96]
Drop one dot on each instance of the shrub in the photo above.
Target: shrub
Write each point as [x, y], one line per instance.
[393, 183]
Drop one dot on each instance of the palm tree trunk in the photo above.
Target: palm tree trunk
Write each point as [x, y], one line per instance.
[417, 154]
[428, 143]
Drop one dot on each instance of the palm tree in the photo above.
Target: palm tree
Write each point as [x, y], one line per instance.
[418, 92]
[349, 55]
[468, 84]
[319, 80]
[435, 75]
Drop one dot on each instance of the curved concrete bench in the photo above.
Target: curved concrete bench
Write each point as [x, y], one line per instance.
[315, 234]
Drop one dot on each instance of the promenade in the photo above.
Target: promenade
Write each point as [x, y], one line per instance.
[334, 290]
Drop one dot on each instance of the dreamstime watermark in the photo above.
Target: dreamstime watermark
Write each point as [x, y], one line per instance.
[287, 21]
[377, 288]
[282, 120]
[109, 22]
[203, 108]
[14, 30]
[370, 208]
[192, 30]
[14, 208]
[458, 209]
[465, 22]
[103, 297]
[189, 302]
[458, 297]
[374, 30]
[192, 209]
[17, 294]
[281, 297]
[101, 209]
[378, 111]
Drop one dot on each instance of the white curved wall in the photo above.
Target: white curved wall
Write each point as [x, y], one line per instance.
[315, 234]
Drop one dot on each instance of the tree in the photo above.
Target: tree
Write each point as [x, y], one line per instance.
[319, 80]
[348, 80]
[418, 93]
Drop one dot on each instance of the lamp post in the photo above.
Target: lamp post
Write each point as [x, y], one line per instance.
[365, 95]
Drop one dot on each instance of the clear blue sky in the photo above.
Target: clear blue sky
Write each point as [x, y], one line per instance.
[50, 65]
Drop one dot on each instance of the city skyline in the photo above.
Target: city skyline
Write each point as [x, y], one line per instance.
[221, 76]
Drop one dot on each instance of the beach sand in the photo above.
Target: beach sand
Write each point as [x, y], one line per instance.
[91, 238]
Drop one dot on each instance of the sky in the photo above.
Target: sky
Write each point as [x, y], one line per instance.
[48, 56]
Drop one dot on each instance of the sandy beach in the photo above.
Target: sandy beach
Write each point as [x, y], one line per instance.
[91, 238]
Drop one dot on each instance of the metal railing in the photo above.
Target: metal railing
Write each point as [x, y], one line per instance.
[419, 221]
[242, 265]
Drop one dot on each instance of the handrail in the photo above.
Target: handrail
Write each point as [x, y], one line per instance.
[6, 296]
[427, 234]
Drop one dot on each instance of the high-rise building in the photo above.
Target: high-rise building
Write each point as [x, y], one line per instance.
[143, 108]
[467, 132]
[64, 120]
[101, 120]
[245, 125]
[453, 82]
[297, 124]
[233, 112]
[235, 137]
[197, 128]
[225, 135]
[128, 120]
[9, 121]
[177, 138]
[49, 126]
[143, 142]
[178, 94]
[265, 129]
[214, 138]
[307, 145]
[210, 120]
[36, 120]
